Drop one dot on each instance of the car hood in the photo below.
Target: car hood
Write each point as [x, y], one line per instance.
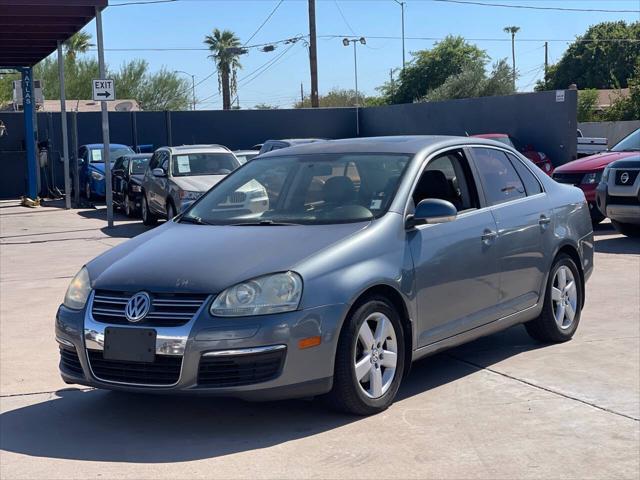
[208, 259]
[197, 183]
[593, 162]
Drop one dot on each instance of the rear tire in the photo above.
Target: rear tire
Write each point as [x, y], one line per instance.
[628, 229]
[148, 218]
[560, 314]
[379, 366]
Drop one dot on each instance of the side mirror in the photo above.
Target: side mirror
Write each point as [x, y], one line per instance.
[431, 211]
[158, 172]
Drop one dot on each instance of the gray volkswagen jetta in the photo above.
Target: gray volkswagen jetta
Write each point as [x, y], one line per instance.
[367, 254]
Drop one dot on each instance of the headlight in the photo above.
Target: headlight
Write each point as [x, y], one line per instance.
[78, 291]
[591, 178]
[136, 188]
[605, 175]
[275, 293]
[97, 176]
[187, 195]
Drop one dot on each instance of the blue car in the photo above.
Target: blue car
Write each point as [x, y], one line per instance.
[91, 166]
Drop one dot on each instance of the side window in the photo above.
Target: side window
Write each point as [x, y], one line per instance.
[118, 164]
[153, 162]
[164, 161]
[500, 180]
[125, 164]
[448, 177]
[531, 183]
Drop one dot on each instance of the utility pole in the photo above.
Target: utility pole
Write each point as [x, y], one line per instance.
[105, 124]
[301, 95]
[403, 49]
[346, 42]
[546, 62]
[313, 54]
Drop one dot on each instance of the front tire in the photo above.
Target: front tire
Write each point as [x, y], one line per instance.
[171, 210]
[628, 229]
[128, 209]
[596, 216]
[560, 314]
[148, 218]
[87, 191]
[369, 362]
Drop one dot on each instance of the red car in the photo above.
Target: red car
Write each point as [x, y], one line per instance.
[539, 158]
[586, 172]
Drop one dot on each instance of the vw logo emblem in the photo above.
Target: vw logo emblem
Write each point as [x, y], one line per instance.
[624, 178]
[137, 307]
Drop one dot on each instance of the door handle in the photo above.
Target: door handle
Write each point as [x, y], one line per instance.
[544, 221]
[488, 236]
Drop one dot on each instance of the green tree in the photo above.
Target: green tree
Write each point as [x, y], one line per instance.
[473, 81]
[78, 43]
[225, 50]
[336, 98]
[265, 106]
[601, 58]
[430, 68]
[587, 103]
[627, 108]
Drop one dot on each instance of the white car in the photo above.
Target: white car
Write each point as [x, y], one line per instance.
[177, 176]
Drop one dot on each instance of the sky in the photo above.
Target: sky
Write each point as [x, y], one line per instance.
[183, 25]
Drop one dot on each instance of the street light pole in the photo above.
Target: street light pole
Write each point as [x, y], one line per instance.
[355, 41]
[193, 87]
[402, 12]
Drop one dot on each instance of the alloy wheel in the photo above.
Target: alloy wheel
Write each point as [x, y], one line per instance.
[564, 297]
[127, 206]
[376, 355]
[145, 209]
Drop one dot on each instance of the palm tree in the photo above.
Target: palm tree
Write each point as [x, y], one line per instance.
[513, 30]
[226, 49]
[78, 43]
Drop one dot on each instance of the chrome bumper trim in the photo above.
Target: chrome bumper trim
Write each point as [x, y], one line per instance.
[64, 342]
[244, 351]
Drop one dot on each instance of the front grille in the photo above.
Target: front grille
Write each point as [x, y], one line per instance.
[630, 177]
[165, 370]
[167, 309]
[572, 178]
[237, 370]
[69, 361]
[618, 200]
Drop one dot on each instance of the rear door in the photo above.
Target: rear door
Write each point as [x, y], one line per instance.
[523, 217]
[158, 185]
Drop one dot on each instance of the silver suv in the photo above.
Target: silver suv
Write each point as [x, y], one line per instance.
[177, 176]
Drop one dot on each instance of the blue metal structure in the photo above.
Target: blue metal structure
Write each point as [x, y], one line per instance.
[29, 130]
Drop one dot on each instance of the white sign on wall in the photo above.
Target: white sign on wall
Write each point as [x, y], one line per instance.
[559, 95]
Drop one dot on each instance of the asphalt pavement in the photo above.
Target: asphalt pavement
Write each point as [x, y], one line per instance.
[502, 407]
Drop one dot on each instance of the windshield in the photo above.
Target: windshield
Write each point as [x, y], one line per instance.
[245, 157]
[629, 143]
[185, 164]
[304, 189]
[114, 153]
[139, 165]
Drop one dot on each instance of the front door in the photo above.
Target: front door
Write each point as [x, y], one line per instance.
[456, 272]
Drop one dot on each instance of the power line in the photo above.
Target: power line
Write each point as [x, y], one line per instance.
[143, 2]
[265, 22]
[533, 7]
[343, 17]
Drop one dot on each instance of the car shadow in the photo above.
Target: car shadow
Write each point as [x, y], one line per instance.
[95, 425]
[619, 244]
[124, 227]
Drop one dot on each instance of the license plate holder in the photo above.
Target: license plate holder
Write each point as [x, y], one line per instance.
[130, 344]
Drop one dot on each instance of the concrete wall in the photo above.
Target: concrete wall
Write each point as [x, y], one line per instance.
[538, 119]
[612, 131]
[533, 118]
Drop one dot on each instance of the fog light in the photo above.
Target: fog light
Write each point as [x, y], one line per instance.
[309, 342]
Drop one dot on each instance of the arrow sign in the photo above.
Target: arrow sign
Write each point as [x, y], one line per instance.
[103, 90]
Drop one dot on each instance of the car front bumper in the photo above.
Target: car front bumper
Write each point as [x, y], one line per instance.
[626, 212]
[302, 372]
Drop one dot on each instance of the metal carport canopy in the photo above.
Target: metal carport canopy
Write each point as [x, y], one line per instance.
[30, 29]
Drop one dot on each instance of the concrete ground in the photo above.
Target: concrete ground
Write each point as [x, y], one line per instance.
[500, 407]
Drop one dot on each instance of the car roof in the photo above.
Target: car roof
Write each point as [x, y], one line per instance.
[490, 135]
[138, 155]
[212, 148]
[245, 152]
[407, 144]
[99, 145]
[296, 141]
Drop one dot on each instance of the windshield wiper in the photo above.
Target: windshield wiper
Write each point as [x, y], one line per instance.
[196, 220]
[261, 223]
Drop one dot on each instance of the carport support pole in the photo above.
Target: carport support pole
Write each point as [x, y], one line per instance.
[63, 122]
[105, 123]
[29, 132]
